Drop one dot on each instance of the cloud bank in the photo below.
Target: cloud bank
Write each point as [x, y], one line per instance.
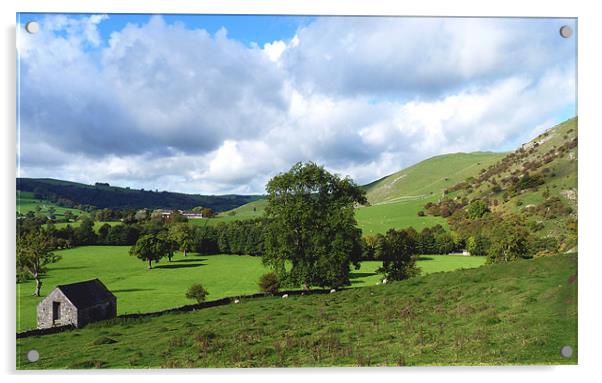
[167, 106]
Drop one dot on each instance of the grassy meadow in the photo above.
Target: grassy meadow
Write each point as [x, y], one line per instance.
[507, 314]
[26, 202]
[141, 290]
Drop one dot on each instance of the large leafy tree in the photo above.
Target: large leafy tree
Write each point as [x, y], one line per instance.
[312, 226]
[183, 235]
[399, 254]
[509, 241]
[34, 252]
[151, 248]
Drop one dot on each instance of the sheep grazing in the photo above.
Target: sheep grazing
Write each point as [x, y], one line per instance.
[237, 301]
[333, 291]
[285, 296]
[385, 281]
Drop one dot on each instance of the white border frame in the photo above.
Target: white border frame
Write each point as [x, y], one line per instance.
[589, 62]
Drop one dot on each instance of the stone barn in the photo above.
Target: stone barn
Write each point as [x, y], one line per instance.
[77, 304]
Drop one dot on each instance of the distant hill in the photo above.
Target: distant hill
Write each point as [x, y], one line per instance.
[105, 196]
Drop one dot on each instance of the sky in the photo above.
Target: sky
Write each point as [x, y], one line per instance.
[218, 104]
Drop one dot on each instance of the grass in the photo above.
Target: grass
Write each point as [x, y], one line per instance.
[382, 217]
[517, 313]
[141, 290]
[26, 202]
[429, 177]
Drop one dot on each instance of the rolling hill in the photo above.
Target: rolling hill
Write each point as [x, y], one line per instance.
[522, 312]
[102, 195]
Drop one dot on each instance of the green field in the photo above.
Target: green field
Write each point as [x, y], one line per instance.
[142, 290]
[517, 313]
[382, 217]
[26, 202]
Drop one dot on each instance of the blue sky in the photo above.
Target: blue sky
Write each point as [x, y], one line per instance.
[219, 104]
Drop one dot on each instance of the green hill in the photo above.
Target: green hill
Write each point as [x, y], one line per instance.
[26, 202]
[429, 177]
[538, 180]
[517, 313]
[396, 199]
[102, 195]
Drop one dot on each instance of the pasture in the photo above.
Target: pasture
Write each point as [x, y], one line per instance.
[399, 215]
[505, 314]
[141, 290]
[26, 202]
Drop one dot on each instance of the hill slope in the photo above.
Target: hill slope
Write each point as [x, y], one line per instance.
[105, 196]
[429, 177]
[538, 180]
[515, 313]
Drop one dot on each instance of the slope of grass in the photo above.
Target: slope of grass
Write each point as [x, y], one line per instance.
[429, 177]
[142, 290]
[382, 217]
[560, 177]
[518, 313]
[26, 203]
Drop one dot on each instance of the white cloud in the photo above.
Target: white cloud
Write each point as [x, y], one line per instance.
[168, 107]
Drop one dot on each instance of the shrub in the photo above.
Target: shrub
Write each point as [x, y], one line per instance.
[269, 283]
[197, 292]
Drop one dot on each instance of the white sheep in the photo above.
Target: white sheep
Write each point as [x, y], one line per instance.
[333, 291]
[285, 296]
[236, 301]
[385, 281]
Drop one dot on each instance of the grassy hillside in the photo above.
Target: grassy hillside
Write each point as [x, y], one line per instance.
[26, 202]
[429, 177]
[516, 313]
[250, 210]
[106, 196]
[538, 180]
[142, 290]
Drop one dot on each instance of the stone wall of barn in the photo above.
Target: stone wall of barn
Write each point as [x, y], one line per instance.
[68, 312]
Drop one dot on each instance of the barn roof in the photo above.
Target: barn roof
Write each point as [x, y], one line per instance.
[87, 293]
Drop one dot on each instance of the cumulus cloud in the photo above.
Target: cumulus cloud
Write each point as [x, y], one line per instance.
[167, 106]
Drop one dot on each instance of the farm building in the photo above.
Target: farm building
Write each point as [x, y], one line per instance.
[77, 304]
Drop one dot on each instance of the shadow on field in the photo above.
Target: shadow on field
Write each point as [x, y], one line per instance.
[190, 260]
[68, 268]
[360, 275]
[172, 266]
[130, 290]
[422, 258]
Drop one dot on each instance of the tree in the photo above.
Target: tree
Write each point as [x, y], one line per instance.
[478, 244]
[399, 259]
[183, 235]
[509, 241]
[269, 283]
[149, 248]
[84, 233]
[197, 292]
[311, 224]
[207, 212]
[34, 252]
[477, 209]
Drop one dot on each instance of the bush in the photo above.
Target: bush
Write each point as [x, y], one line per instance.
[269, 283]
[197, 292]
